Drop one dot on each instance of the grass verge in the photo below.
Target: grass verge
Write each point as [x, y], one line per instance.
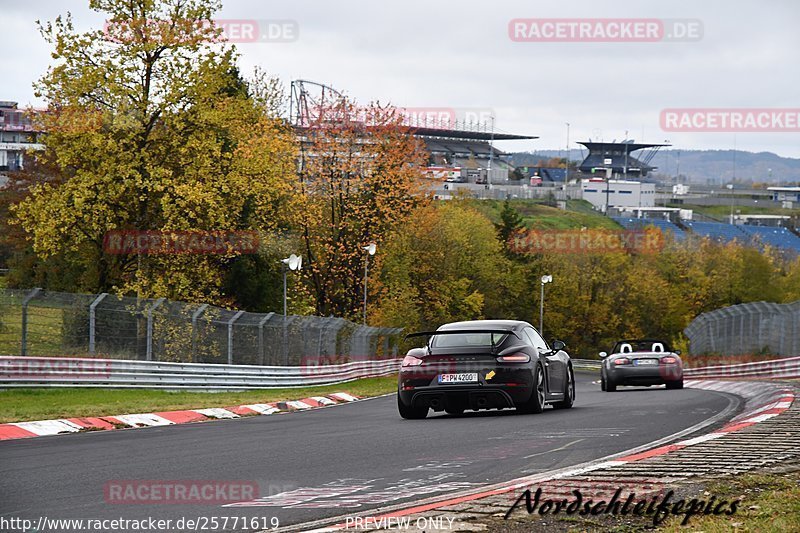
[43, 404]
[769, 502]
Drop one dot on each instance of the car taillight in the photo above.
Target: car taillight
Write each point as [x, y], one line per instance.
[410, 360]
[622, 361]
[668, 360]
[515, 358]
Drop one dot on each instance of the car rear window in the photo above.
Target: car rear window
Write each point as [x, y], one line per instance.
[467, 339]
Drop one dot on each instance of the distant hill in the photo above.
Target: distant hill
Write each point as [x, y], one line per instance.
[699, 166]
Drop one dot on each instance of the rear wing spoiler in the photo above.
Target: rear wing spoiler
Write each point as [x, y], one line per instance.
[463, 331]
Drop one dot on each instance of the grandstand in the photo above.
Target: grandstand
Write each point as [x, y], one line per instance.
[664, 225]
[746, 234]
[717, 231]
[455, 145]
[777, 237]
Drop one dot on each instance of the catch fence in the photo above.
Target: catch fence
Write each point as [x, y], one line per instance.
[35, 322]
[750, 328]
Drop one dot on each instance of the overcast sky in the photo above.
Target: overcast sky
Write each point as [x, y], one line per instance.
[458, 54]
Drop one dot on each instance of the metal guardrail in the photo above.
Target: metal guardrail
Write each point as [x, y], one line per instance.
[586, 364]
[25, 372]
[778, 368]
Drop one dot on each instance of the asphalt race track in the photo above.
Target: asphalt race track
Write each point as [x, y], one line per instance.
[329, 462]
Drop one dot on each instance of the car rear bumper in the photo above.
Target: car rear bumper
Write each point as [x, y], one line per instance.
[507, 387]
[644, 375]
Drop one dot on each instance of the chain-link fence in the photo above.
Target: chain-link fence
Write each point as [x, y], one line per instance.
[45, 323]
[751, 328]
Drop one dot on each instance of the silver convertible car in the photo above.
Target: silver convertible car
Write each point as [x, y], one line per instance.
[641, 362]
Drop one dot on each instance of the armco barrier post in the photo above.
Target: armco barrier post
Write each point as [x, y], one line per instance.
[230, 335]
[199, 311]
[92, 320]
[261, 335]
[150, 327]
[28, 297]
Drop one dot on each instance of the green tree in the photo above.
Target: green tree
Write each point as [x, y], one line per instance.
[510, 223]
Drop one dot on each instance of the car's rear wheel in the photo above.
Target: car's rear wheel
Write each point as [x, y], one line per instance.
[611, 386]
[569, 392]
[536, 402]
[675, 384]
[411, 413]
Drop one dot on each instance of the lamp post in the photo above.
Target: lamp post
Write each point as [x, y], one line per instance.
[370, 249]
[293, 262]
[730, 187]
[566, 169]
[545, 279]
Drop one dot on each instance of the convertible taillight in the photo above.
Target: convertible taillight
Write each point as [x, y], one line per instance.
[410, 360]
[622, 361]
[668, 360]
[515, 358]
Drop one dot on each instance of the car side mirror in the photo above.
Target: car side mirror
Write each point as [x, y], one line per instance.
[558, 345]
[677, 352]
[603, 355]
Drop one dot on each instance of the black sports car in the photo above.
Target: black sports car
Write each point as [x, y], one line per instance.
[484, 364]
[641, 362]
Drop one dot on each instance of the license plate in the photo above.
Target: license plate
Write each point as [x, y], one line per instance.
[645, 362]
[458, 378]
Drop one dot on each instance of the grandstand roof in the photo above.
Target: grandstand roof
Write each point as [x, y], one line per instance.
[631, 147]
[469, 135]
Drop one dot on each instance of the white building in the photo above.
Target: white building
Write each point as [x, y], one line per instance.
[618, 193]
[16, 137]
[788, 196]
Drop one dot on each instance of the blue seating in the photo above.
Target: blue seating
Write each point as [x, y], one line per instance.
[718, 232]
[774, 236]
[664, 225]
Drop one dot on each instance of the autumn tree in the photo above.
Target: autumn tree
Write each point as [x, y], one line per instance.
[152, 127]
[361, 178]
[448, 265]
